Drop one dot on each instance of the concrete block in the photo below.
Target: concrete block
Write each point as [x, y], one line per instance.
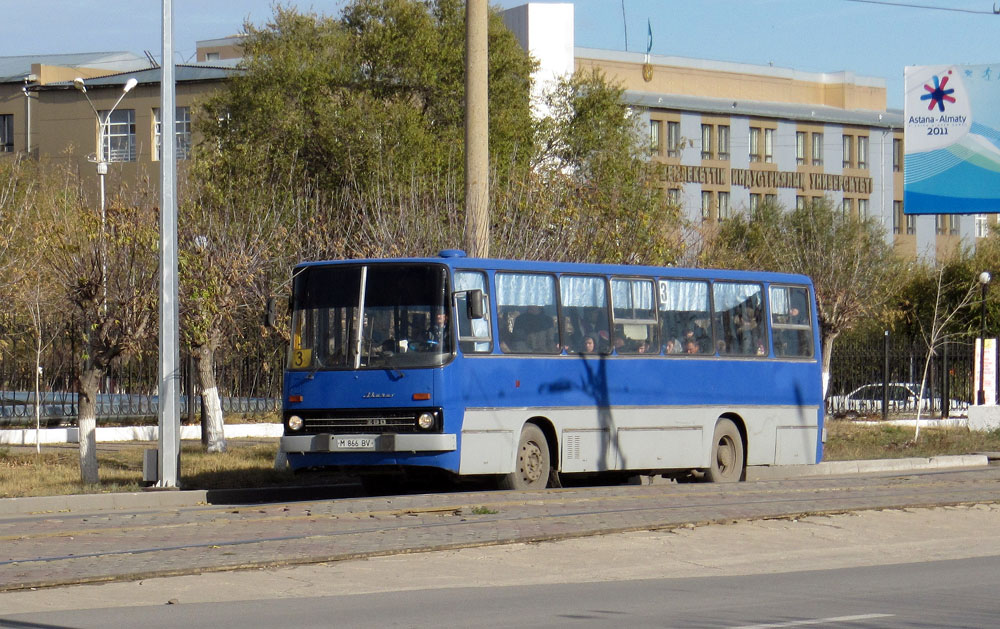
[984, 418]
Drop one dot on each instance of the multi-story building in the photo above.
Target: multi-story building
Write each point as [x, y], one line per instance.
[730, 136]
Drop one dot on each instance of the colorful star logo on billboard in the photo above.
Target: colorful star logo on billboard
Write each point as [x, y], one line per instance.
[938, 94]
[952, 156]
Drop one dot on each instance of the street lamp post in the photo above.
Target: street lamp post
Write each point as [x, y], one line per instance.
[102, 164]
[984, 282]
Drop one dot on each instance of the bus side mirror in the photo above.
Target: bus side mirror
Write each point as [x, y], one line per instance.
[475, 304]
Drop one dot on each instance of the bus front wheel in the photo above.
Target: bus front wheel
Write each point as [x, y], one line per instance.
[727, 454]
[533, 465]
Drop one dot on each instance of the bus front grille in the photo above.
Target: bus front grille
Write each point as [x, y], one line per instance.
[363, 422]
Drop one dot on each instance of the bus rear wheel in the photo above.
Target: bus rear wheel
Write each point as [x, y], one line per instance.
[727, 454]
[533, 465]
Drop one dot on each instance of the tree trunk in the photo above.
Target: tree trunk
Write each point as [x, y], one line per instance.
[827, 340]
[212, 428]
[87, 387]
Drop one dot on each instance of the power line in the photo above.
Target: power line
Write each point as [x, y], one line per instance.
[907, 5]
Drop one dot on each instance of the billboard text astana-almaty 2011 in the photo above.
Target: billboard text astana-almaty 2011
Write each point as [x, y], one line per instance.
[952, 139]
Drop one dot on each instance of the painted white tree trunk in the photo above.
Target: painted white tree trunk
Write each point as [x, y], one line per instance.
[87, 424]
[212, 424]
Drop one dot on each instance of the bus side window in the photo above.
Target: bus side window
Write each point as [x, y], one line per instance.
[584, 304]
[739, 319]
[684, 315]
[634, 310]
[474, 335]
[527, 301]
[791, 321]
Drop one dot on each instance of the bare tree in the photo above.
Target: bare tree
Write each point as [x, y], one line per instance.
[115, 302]
[941, 326]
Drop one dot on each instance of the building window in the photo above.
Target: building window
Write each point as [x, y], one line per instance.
[911, 224]
[119, 136]
[897, 155]
[212, 56]
[706, 205]
[769, 145]
[6, 133]
[182, 135]
[754, 203]
[754, 144]
[800, 202]
[724, 211]
[706, 141]
[655, 126]
[982, 228]
[674, 196]
[897, 217]
[848, 208]
[771, 199]
[673, 139]
[800, 147]
[848, 151]
[817, 149]
[723, 141]
[863, 151]
[862, 209]
[953, 224]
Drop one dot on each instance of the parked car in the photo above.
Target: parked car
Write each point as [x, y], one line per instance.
[867, 400]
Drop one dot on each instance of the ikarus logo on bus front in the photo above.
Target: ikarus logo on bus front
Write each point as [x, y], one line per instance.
[374, 395]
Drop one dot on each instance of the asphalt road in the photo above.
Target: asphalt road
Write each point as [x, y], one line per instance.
[910, 568]
[57, 548]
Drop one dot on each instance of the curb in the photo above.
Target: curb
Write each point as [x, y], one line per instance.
[191, 498]
[838, 468]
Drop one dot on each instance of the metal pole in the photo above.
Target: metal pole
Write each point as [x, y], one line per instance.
[885, 377]
[169, 374]
[981, 395]
[477, 227]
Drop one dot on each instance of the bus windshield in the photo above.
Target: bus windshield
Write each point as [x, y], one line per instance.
[403, 318]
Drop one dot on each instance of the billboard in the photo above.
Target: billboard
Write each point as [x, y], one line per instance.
[952, 154]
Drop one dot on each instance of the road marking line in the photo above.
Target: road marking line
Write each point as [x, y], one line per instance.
[815, 621]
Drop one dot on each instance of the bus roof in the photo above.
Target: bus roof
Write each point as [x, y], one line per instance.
[456, 259]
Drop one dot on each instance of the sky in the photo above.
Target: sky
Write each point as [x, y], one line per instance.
[868, 37]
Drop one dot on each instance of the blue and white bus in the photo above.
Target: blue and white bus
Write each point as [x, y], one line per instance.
[530, 371]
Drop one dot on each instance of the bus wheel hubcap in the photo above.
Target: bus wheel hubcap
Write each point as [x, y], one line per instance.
[726, 456]
[531, 461]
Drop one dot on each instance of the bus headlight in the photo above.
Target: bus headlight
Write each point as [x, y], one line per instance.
[295, 422]
[425, 420]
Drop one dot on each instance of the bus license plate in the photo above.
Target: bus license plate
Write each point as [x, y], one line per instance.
[352, 443]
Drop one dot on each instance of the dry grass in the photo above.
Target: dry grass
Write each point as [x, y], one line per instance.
[56, 470]
[250, 463]
[848, 441]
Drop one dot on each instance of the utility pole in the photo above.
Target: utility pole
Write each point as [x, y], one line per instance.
[169, 472]
[477, 225]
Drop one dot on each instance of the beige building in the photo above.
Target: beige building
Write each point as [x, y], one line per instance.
[45, 114]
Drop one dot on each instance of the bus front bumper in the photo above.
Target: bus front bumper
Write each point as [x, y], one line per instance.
[369, 443]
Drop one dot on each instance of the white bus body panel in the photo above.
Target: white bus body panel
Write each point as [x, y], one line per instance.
[639, 438]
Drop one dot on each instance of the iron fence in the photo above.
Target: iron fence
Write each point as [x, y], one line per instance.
[248, 380]
[882, 376]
